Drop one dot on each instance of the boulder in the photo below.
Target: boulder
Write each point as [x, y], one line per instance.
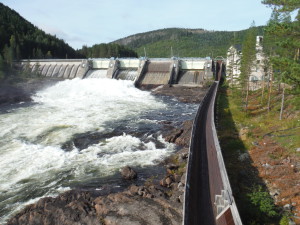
[133, 189]
[183, 178]
[166, 181]
[169, 181]
[163, 182]
[128, 173]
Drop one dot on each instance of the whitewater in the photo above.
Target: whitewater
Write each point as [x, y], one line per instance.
[35, 161]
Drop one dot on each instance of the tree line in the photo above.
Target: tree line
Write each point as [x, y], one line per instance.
[277, 99]
[281, 48]
[185, 42]
[107, 51]
[19, 39]
[24, 40]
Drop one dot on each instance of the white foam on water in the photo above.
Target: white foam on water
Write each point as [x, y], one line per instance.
[33, 164]
[97, 74]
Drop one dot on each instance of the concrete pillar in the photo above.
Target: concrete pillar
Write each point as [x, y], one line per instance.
[83, 69]
[208, 70]
[112, 69]
[140, 72]
[174, 71]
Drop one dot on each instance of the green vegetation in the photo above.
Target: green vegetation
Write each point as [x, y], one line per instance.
[282, 46]
[263, 202]
[248, 57]
[284, 220]
[252, 196]
[19, 39]
[249, 118]
[107, 51]
[184, 42]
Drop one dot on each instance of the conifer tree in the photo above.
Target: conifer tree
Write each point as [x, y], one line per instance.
[282, 44]
[8, 55]
[248, 56]
[285, 34]
[2, 67]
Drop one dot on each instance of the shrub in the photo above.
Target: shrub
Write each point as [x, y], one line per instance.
[263, 201]
[284, 220]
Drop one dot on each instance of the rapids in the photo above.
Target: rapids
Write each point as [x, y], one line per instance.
[34, 162]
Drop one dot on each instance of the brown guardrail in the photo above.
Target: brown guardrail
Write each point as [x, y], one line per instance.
[208, 194]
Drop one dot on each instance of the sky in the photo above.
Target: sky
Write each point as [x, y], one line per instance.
[89, 22]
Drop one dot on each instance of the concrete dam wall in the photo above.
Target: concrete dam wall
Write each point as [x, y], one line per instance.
[157, 72]
[61, 68]
[144, 71]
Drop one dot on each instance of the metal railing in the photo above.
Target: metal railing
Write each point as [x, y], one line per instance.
[208, 194]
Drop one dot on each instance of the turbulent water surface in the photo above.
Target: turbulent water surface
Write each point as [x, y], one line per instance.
[78, 132]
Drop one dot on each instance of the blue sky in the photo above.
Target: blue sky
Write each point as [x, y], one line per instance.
[88, 22]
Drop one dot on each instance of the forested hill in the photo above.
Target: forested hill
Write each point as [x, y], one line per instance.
[107, 51]
[21, 39]
[184, 42]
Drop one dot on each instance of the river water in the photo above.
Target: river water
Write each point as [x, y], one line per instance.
[78, 133]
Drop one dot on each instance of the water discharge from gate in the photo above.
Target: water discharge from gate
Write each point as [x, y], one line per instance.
[34, 162]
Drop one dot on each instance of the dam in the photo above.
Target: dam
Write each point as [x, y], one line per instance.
[142, 71]
[208, 197]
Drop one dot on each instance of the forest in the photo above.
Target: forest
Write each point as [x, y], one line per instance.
[107, 51]
[19, 39]
[270, 114]
[181, 42]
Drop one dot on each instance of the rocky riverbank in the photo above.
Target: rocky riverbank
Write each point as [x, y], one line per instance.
[154, 202]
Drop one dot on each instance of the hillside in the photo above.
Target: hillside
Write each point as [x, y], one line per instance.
[21, 39]
[184, 42]
[107, 51]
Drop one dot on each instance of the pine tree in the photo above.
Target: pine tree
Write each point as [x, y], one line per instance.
[49, 55]
[283, 45]
[39, 54]
[8, 55]
[2, 67]
[248, 56]
[285, 34]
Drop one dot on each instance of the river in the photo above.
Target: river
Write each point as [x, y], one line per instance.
[79, 133]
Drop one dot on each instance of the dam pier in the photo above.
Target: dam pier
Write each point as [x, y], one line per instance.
[208, 197]
[143, 71]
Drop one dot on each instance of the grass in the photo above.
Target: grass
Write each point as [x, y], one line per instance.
[239, 131]
[261, 123]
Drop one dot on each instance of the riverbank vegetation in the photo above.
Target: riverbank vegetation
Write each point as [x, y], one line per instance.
[261, 154]
[259, 128]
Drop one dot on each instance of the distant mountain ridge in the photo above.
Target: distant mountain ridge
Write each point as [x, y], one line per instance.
[21, 39]
[183, 42]
[133, 40]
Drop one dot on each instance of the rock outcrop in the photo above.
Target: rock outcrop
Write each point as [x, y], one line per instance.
[151, 203]
[128, 173]
[180, 136]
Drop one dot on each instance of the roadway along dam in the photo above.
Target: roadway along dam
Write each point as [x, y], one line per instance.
[62, 152]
